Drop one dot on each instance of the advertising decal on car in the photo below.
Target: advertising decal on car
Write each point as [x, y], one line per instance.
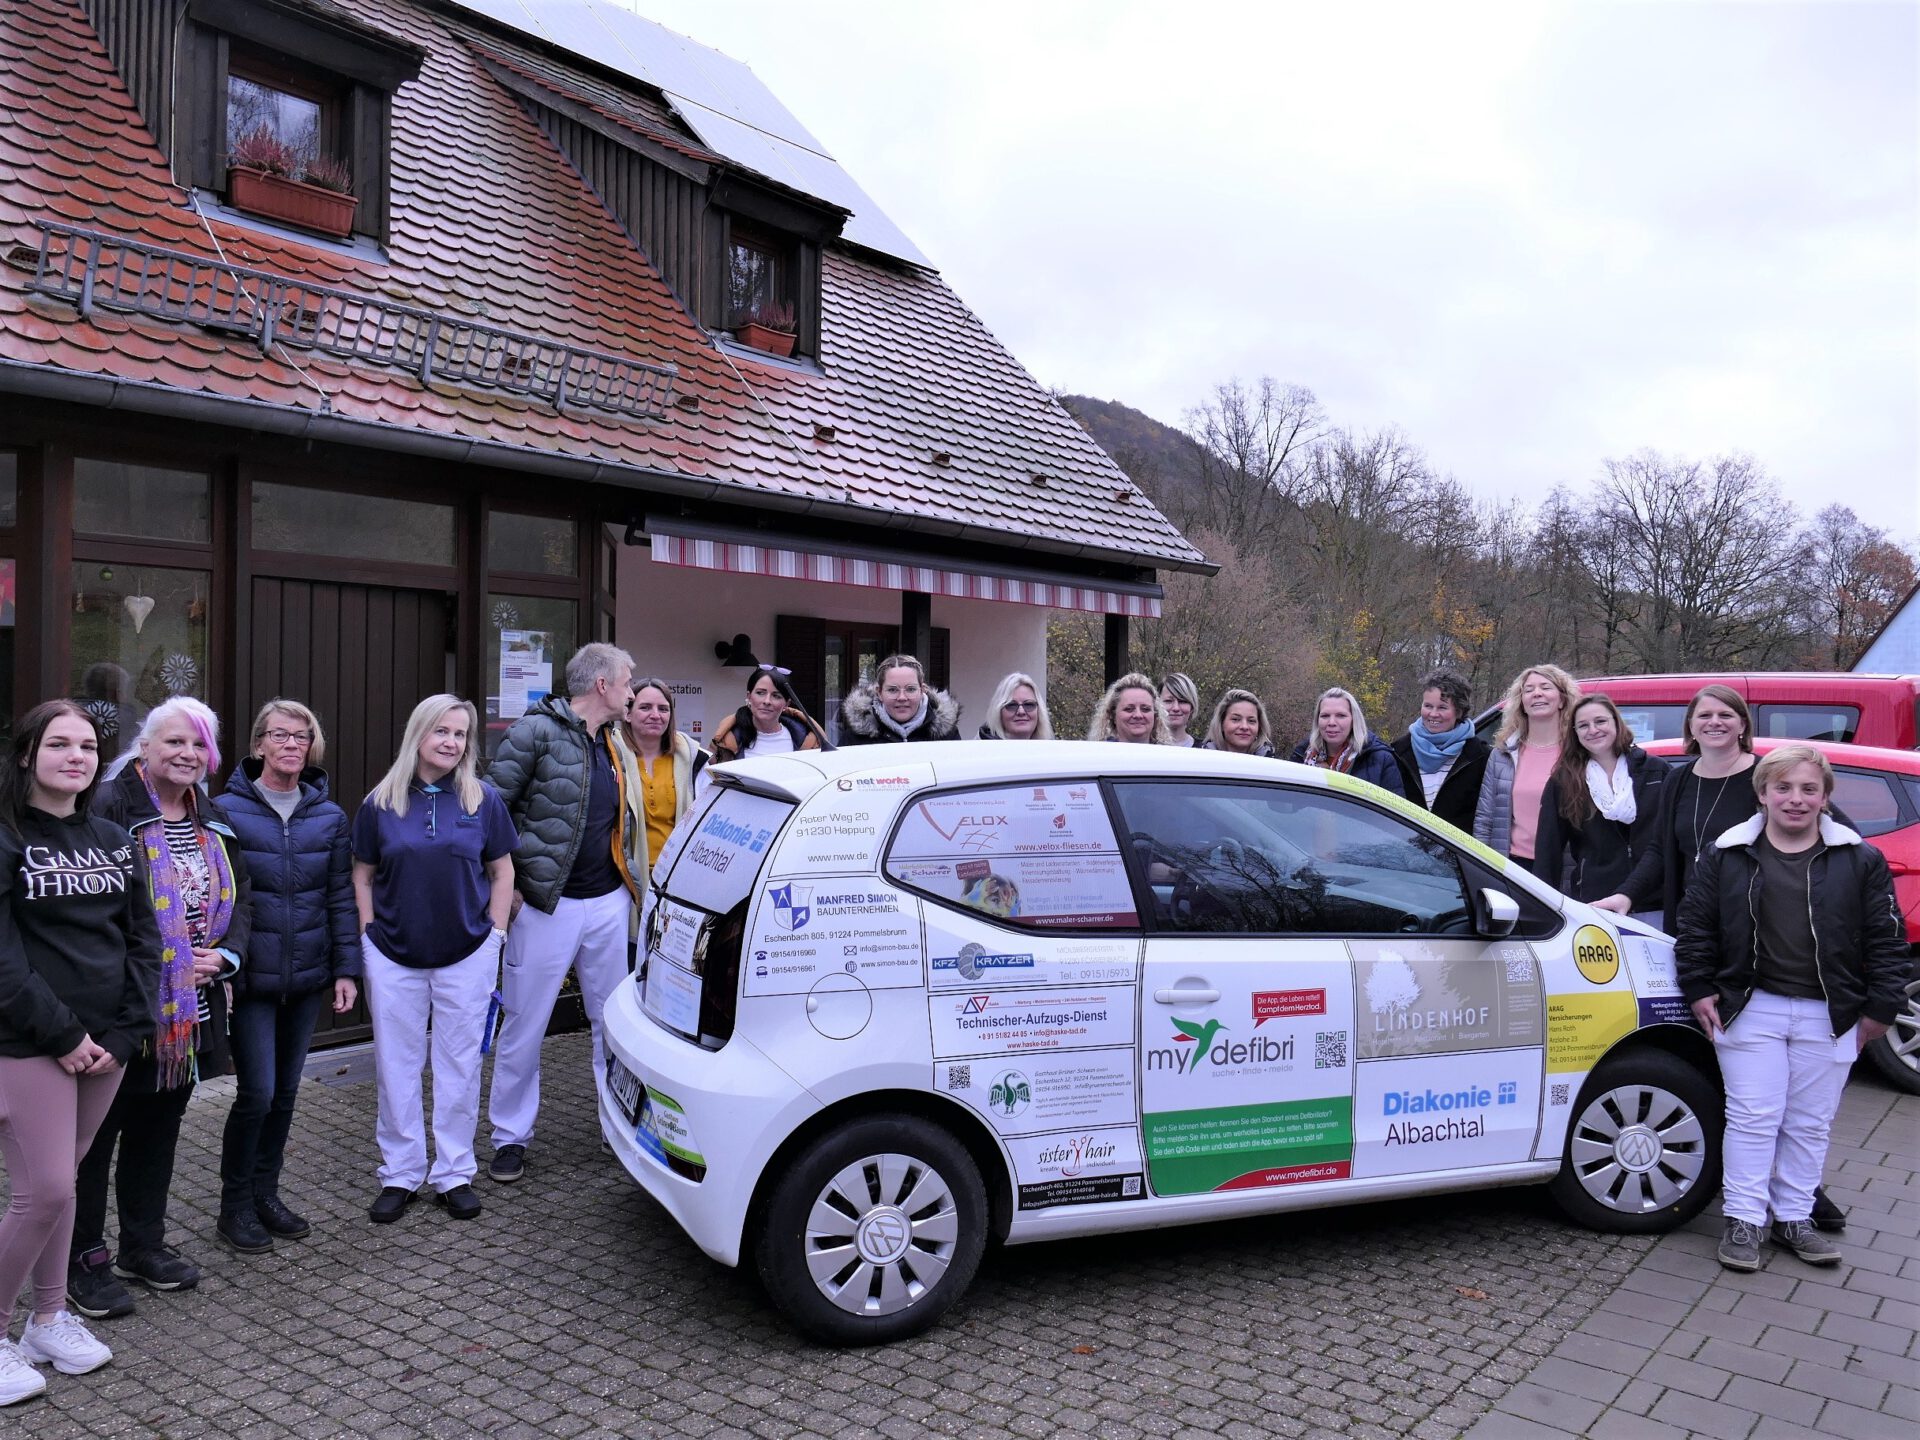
[1044, 855]
[841, 827]
[1032, 1094]
[1426, 997]
[853, 925]
[1078, 1167]
[1446, 1112]
[1655, 980]
[1018, 1021]
[1256, 1088]
[722, 851]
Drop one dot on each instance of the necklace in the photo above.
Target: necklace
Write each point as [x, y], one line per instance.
[1699, 786]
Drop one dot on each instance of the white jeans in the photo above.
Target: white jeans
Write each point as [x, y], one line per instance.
[413, 1011]
[588, 936]
[1784, 1072]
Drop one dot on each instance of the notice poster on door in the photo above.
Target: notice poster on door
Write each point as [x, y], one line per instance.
[526, 670]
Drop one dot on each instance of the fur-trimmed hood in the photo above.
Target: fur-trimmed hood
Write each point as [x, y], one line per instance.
[1748, 831]
[860, 724]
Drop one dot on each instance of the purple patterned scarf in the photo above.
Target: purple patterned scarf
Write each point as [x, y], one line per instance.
[174, 1034]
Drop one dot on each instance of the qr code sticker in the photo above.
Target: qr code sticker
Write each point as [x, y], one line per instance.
[1519, 970]
[1560, 1094]
[1330, 1050]
[959, 1077]
[1129, 1187]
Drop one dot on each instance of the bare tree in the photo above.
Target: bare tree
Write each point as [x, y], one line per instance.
[1252, 441]
[1856, 576]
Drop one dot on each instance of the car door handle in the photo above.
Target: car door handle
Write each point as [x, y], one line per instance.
[1185, 997]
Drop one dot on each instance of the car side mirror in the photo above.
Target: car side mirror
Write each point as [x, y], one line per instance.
[1500, 912]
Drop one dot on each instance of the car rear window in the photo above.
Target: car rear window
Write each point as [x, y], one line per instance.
[714, 858]
[1868, 800]
[1839, 723]
[1654, 722]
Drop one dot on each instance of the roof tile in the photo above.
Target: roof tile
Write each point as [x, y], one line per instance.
[489, 219]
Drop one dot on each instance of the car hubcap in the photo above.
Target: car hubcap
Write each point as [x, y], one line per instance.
[881, 1234]
[1638, 1148]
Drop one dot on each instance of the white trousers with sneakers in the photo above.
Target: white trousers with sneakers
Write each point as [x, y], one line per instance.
[417, 1015]
[1784, 1073]
[587, 936]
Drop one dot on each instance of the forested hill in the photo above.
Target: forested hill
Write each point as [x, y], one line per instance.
[1161, 460]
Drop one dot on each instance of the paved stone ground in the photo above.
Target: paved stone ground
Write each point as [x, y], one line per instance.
[574, 1308]
[1686, 1348]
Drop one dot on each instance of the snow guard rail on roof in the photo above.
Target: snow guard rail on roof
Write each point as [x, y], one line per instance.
[91, 269]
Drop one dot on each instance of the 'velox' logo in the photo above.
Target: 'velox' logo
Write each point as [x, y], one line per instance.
[792, 905]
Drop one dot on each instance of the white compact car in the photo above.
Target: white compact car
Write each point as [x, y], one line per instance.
[899, 1001]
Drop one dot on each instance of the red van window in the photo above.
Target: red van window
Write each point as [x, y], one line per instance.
[1808, 722]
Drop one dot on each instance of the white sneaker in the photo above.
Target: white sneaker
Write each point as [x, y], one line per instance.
[65, 1344]
[18, 1380]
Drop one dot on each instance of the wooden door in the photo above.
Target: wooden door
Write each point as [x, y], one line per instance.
[361, 656]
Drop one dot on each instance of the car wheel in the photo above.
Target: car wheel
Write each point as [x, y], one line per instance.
[1643, 1148]
[1896, 1054]
[874, 1231]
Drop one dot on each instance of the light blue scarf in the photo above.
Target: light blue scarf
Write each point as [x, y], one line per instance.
[1437, 752]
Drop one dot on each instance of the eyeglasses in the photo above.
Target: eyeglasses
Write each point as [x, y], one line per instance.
[282, 737]
[1021, 705]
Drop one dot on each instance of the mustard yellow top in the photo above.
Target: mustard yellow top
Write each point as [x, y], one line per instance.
[658, 801]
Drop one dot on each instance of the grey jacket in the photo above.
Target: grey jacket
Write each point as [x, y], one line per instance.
[1493, 812]
[541, 772]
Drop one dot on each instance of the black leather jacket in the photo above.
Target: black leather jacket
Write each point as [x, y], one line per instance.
[1860, 943]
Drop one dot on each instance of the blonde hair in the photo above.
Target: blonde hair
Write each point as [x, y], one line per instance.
[316, 752]
[1513, 716]
[1216, 732]
[392, 791]
[1003, 692]
[1356, 742]
[1778, 761]
[1102, 726]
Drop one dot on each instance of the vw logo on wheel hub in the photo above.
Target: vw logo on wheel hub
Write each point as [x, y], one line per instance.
[882, 1237]
[1638, 1149]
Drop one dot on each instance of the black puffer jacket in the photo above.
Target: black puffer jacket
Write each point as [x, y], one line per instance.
[541, 772]
[305, 927]
[1592, 861]
[1859, 938]
[860, 719]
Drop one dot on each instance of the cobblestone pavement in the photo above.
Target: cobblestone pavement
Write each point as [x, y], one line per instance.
[574, 1308]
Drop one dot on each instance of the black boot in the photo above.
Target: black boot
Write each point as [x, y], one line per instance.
[242, 1230]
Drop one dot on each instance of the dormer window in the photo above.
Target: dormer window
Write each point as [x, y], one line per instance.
[281, 104]
[760, 288]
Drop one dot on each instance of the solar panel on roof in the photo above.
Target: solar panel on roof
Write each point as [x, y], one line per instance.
[720, 98]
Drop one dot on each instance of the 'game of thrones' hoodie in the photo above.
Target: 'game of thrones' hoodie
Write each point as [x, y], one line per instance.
[79, 950]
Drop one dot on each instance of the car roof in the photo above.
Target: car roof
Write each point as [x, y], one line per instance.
[960, 762]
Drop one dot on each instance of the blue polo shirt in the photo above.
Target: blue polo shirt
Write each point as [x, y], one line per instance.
[430, 887]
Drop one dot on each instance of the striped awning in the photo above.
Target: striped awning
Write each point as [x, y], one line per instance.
[713, 547]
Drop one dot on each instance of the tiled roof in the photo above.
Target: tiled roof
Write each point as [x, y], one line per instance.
[488, 219]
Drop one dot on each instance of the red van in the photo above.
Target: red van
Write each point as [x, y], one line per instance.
[1830, 705]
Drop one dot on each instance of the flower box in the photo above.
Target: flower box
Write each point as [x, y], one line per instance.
[765, 337]
[274, 197]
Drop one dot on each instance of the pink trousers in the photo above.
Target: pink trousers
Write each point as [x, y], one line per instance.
[47, 1120]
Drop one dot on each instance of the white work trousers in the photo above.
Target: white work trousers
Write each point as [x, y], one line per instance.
[418, 1014]
[588, 936]
[1784, 1072]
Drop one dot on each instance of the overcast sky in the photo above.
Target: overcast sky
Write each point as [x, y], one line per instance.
[1531, 236]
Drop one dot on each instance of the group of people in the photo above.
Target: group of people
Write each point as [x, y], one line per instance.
[153, 935]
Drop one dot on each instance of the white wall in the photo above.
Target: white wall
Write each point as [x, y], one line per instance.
[1897, 650]
[669, 616]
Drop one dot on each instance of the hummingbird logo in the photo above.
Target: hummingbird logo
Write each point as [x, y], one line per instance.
[1198, 1036]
